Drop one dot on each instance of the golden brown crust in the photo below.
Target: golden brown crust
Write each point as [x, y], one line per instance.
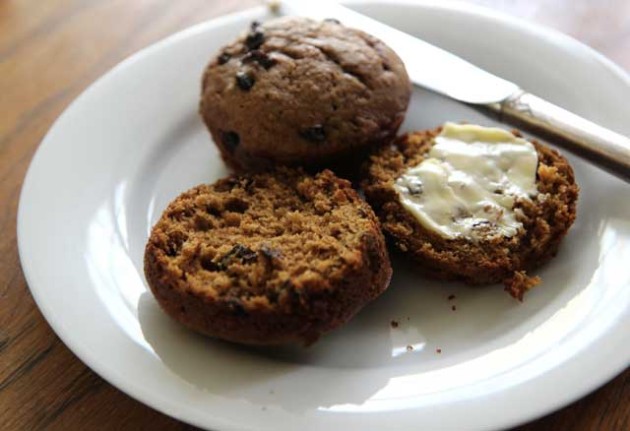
[546, 219]
[267, 258]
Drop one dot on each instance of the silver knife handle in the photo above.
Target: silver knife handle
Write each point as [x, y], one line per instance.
[605, 148]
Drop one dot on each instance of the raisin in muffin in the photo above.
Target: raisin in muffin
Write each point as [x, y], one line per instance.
[300, 92]
[267, 258]
[482, 252]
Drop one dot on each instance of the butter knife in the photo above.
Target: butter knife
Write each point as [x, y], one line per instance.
[438, 70]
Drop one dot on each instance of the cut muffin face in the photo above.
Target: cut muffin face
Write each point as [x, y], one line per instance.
[267, 258]
[299, 92]
[473, 204]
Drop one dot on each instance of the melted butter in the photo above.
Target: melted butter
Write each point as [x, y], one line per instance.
[469, 182]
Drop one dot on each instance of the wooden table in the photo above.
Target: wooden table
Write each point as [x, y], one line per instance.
[50, 51]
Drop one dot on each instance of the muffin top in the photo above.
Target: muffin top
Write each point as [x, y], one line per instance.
[294, 90]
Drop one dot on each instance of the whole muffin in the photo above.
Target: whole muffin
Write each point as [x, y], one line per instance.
[299, 92]
[267, 258]
[487, 249]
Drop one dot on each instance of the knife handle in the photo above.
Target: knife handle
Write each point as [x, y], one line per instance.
[605, 148]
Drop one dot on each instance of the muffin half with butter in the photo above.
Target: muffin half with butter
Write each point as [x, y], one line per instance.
[476, 204]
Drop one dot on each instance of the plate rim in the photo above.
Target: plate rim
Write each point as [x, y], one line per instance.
[135, 391]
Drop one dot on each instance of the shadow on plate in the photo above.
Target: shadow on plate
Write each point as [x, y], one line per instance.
[249, 373]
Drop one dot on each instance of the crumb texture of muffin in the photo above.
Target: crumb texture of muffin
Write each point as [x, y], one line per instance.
[267, 258]
[544, 219]
[299, 92]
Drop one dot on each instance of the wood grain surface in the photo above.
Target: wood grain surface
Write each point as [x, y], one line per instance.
[51, 50]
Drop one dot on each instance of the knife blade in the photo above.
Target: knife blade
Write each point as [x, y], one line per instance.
[443, 72]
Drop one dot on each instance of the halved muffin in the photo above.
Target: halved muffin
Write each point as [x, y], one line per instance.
[479, 205]
[267, 258]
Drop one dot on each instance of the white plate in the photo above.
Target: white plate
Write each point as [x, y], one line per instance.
[133, 141]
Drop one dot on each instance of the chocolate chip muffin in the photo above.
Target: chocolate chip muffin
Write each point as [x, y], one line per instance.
[267, 258]
[299, 92]
[485, 249]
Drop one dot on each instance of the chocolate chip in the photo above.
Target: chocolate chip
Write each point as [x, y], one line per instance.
[249, 257]
[315, 133]
[230, 140]
[175, 243]
[332, 20]
[270, 253]
[259, 57]
[254, 39]
[224, 58]
[244, 253]
[254, 25]
[239, 251]
[245, 81]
